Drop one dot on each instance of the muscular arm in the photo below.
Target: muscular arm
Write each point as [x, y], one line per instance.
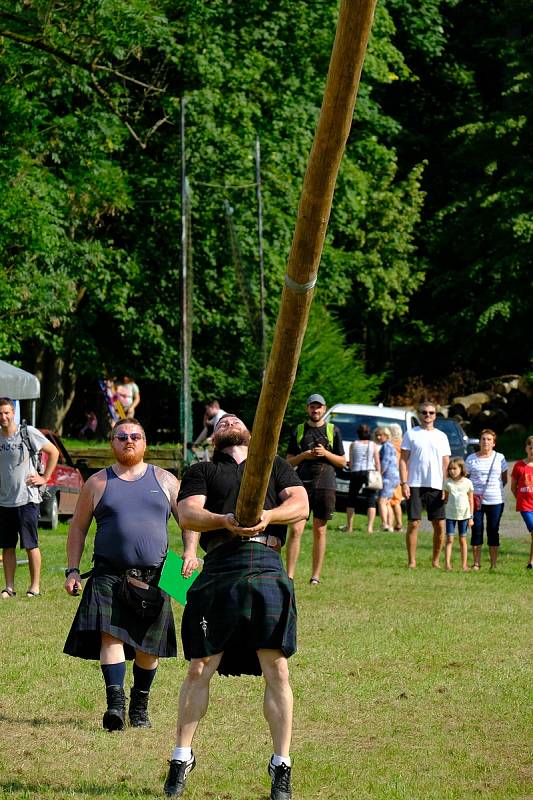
[53, 454]
[171, 487]
[79, 525]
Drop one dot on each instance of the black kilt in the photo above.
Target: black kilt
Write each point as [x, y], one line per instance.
[242, 601]
[102, 611]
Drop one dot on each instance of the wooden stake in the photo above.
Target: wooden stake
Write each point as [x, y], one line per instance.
[353, 29]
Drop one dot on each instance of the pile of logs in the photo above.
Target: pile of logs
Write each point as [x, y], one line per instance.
[504, 404]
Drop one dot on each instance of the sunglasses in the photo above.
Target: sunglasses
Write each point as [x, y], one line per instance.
[123, 437]
[428, 413]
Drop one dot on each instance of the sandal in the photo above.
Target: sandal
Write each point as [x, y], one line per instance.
[314, 581]
[8, 593]
[476, 567]
[29, 593]
[343, 528]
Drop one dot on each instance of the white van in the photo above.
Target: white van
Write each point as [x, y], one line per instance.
[347, 417]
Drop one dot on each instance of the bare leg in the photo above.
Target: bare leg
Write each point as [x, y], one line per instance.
[145, 660]
[349, 519]
[111, 650]
[319, 546]
[493, 555]
[464, 553]
[438, 540]
[34, 563]
[194, 697]
[278, 702]
[383, 512]
[293, 546]
[411, 539]
[476, 551]
[397, 516]
[448, 552]
[371, 516]
[531, 551]
[10, 564]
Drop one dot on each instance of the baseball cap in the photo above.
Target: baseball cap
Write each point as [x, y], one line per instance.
[316, 398]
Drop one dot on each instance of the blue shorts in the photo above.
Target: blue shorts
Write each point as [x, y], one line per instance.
[527, 516]
[19, 520]
[462, 527]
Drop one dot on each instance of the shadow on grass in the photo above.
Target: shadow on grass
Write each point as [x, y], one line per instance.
[36, 722]
[8, 788]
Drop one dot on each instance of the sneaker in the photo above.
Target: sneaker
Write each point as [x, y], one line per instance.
[138, 710]
[177, 776]
[281, 781]
[115, 716]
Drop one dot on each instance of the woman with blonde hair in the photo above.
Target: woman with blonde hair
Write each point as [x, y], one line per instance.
[390, 474]
[397, 497]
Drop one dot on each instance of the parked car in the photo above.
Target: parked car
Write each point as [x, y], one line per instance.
[347, 417]
[461, 444]
[64, 485]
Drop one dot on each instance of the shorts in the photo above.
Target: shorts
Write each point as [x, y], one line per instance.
[357, 482]
[527, 516]
[462, 527]
[425, 498]
[493, 514]
[321, 502]
[19, 520]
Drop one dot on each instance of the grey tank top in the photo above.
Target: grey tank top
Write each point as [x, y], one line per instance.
[131, 521]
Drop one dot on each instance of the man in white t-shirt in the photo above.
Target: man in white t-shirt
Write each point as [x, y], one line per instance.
[425, 454]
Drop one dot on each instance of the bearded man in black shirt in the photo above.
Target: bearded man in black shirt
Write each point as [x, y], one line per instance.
[240, 616]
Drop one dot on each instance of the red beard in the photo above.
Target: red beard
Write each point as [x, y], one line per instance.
[129, 458]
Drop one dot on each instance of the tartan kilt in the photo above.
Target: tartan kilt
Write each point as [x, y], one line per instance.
[242, 601]
[102, 611]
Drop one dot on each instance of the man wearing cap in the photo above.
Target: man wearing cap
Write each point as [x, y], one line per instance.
[316, 450]
[240, 616]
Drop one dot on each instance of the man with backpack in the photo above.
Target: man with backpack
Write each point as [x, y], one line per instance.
[20, 479]
[316, 450]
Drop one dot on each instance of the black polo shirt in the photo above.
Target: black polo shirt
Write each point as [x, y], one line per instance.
[220, 480]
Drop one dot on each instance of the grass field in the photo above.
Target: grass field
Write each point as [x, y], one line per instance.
[407, 685]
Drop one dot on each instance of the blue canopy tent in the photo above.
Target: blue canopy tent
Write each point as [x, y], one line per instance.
[19, 385]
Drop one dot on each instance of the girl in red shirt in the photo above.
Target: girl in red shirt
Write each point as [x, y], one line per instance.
[522, 488]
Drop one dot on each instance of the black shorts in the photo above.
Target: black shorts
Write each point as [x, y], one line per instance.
[425, 498]
[321, 502]
[19, 520]
[356, 490]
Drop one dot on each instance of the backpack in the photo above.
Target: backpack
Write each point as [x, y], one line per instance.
[330, 433]
[35, 458]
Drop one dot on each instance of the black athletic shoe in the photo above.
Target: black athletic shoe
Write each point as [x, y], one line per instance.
[138, 709]
[115, 716]
[177, 776]
[281, 781]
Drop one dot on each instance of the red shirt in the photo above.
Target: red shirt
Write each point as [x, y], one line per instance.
[523, 474]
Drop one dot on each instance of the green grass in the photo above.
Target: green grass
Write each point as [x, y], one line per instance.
[407, 685]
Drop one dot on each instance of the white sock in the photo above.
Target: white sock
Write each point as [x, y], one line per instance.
[182, 754]
[277, 760]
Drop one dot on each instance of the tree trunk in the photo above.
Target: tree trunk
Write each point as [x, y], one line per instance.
[58, 388]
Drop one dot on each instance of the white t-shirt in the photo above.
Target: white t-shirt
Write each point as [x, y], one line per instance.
[478, 471]
[426, 451]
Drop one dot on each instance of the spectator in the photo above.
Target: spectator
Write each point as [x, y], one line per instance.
[315, 449]
[391, 476]
[397, 496]
[91, 424]
[19, 494]
[425, 453]
[522, 488]
[129, 395]
[459, 499]
[363, 455]
[487, 470]
[213, 413]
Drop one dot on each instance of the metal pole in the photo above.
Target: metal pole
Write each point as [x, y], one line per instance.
[260, 251]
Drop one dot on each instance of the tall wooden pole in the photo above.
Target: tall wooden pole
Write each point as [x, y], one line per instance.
[260, 252]
[353, 29]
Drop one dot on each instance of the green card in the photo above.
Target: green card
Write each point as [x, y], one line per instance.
[172, 581]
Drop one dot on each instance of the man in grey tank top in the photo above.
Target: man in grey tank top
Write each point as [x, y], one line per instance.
[131, 502]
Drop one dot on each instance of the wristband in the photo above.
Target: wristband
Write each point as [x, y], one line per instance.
[69, 570]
